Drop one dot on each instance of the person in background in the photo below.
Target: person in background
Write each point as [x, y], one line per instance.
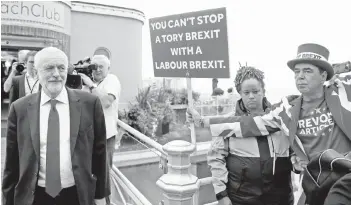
[13, 69]
[255, 170]
[107, 87]
[25, 84]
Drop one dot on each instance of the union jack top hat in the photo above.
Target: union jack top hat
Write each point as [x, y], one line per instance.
[313, 54]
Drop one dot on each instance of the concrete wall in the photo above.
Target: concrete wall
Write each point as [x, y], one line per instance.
[122, 36]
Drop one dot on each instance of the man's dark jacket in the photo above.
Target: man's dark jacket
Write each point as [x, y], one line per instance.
[18, 88]
[87, 142]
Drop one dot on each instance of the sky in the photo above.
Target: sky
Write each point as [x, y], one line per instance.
[265, 34]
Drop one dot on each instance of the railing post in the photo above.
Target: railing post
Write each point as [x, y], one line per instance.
[178, 185]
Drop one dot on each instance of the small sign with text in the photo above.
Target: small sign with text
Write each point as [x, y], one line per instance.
[193, 45]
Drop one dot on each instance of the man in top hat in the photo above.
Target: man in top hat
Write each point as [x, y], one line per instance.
[318, 119]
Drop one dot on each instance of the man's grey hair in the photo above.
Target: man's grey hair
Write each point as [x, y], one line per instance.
[101, 58]
[22, 55]
[51, 52]
[29, 54]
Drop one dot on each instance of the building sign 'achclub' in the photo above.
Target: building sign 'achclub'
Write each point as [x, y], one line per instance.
[34, 13]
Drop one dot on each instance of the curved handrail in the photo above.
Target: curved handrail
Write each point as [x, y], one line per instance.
[142, 137]
[114, 179]
[134, 193]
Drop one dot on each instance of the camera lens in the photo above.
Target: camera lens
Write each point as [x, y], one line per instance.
[93, 66]
[20, 68]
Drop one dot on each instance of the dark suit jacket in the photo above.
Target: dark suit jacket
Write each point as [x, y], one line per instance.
[340, 193]
[88, 149]
[18, 88]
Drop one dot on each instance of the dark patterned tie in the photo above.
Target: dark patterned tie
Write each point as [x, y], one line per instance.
[53, 180]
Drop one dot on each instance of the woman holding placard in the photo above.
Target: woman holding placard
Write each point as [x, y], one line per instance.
[256, 170]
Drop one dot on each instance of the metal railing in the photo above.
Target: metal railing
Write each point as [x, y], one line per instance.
[178, 185]
[119, 180]
[142, 137]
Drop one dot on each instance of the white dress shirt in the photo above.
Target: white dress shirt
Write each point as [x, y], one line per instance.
[62, 106]
[31, 85]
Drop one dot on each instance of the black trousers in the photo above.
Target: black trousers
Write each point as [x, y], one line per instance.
[67, 196]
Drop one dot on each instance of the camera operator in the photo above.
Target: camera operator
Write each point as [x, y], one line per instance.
[107, 87]
[15, 68]
[25, 84]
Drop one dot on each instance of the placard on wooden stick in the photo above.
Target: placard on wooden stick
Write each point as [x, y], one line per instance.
[190, 45]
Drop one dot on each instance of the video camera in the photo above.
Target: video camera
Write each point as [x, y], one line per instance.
[84, 66]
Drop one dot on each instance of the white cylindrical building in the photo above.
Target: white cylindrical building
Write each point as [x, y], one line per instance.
[79, 29]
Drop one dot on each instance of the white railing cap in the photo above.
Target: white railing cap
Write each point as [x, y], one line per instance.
[179, 146]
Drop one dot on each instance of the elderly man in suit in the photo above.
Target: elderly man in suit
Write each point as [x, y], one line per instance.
[56, 142]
